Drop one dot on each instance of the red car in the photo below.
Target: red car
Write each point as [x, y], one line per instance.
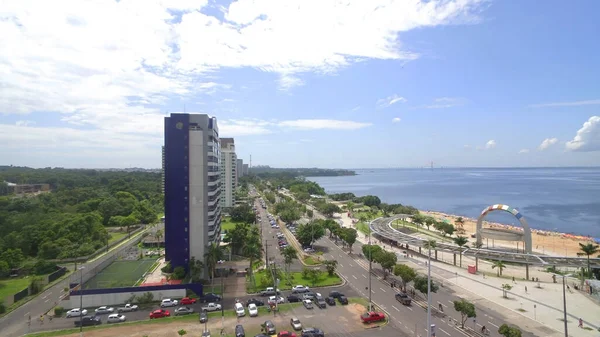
[159, 313]
[371, 317]
[286, 334]
[187, 301]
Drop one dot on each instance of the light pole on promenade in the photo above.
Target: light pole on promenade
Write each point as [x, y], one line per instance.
[370, 268]
[429, 245]
[81, 300]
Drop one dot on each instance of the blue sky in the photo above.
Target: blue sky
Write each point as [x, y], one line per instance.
[356, 85]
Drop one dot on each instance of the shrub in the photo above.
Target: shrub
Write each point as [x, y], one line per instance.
[167, 268]
[58, 311]
[43, 267]
[145, 298]
[2, 308]
[178, 273]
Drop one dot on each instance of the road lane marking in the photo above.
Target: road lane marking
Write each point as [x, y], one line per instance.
[364, 275]
[395, 308]
[46, 300]
[382, 289]
[442, 330]
[354, 277]
[409, 308]
[340, 255]
[26, 314]
[493, 324]
[341, 265]
[350, 264]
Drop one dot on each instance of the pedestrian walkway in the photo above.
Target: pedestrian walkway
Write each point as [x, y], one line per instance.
[534, 304]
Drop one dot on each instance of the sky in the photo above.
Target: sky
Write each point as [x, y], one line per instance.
[303, 83]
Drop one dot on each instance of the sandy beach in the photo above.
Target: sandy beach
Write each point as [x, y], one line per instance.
[545, 242]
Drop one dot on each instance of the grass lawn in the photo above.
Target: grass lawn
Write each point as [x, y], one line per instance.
[114, 236]
[227, 224]
[12, 286]
[294, 278]
[262, 311]
[311, 261]
[120, 274]
[363, 227]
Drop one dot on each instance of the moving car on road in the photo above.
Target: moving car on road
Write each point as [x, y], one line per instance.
[104, 310]
[403, 298]
[76, 312]
[88, 321]
[116, 318]
[128, 308]
[183, 311]
[159, 313]
[371, 317]
[167, 302]
[295, 323]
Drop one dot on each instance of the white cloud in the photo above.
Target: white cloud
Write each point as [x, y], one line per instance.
[24, 123]
[587, 138]
[547, 143]
[467, 146]
[396, 120]
[356, 108]
[443, 103]
[287, 82]
[576, 103]
[317, 124]
[523, 151]
[386, 102]
[490, 144]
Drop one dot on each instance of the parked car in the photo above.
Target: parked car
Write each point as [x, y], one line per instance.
[297, 289]
[255, 301]
[309, 296]
[270, 291]
[159, 313]
[307, 304]
[270, 328]
[239, 331]
[212, 307]
[252, 310]
[239, 310]
[210, 297]
[116, 318]
[371, 317]
[276, 299]
[104, 310]
[76, 312]
[312, 332]
[295, 323]
[330, 301]
[286, 334]
[293, 298]
[321, 302]
[128, 308]
[403, 298]
[167, 302]
[203, 317]
[187, 301]
[183, 311]
[343, 300]
[335, 294]
[88, 321]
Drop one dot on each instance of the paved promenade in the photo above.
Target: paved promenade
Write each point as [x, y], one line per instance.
[535, 308]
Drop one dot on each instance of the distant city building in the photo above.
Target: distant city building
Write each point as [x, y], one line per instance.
[245, 169]
[192, 187]
[240, 168]
[26, 188]
[228, 172]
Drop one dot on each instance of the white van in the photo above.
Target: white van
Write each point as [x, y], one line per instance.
[239, 310]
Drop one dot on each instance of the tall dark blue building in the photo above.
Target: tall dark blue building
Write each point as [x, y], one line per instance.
[192, 186]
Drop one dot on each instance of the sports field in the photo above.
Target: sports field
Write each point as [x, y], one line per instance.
[120, 274]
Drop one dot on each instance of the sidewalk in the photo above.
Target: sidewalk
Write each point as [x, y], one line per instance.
[535, 307]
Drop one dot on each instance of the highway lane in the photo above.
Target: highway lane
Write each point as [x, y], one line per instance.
[16, 323]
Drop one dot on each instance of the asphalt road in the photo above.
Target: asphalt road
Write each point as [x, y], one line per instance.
[16, 322]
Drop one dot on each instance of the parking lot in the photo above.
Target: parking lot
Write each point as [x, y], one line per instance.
[334, 321]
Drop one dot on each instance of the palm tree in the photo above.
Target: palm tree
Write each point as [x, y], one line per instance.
[500, 266]
[289, 255]
[157, 236]
[588, 249]
[460, 241]
[430, 245]
[252, 250]
[460, 222]
[213, 255]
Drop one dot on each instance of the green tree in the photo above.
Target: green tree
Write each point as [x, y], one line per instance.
[387, 260]
[505, 289]
[509, 331]
[447, 229]
[213, 255]
[309, 213]
[349, 235]
[252, 250]
[460, 241]
[588, 249]
[13, 257]
[195, 269]
[371, 252]
[237, 237]
[406, 274]
[418, 219]
[309, 233]
[4, 268]
[429, 221]
[466, 310]
[420, 283]
[243, 213]
[499, 266]
[328, 209]
[289, 255]
[158, 235]
[330, 266]
[314, 275]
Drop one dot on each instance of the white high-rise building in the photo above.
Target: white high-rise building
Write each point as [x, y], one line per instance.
[192, 184]
[228, 172]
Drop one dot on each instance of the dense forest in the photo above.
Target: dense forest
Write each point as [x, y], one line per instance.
[72, 219]
[266, 172]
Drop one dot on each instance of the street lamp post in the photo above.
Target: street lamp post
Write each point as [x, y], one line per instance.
[370, 269]
[81, 300]
[429, 292]
[565, 305]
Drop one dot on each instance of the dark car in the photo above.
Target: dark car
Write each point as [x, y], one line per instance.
[269, 328]
[403, 298]
[256, 302]
[210, 298]
[312, 332]
[320, 301]
[203, 317]
[343, 300]
[239, 331]
[293, 298]
[330, 300]
[335, 294]
[88, 321]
